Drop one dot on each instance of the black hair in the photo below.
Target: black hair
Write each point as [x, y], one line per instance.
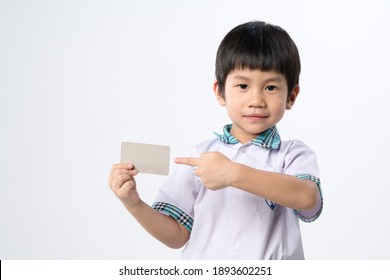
[258, 46]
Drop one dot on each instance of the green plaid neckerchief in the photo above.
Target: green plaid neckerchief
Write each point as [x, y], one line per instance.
[268, 139]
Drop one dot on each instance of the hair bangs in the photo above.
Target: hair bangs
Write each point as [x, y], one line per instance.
[258, 46]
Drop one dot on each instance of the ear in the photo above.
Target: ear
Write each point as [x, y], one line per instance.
[218, 95]
[292, 97]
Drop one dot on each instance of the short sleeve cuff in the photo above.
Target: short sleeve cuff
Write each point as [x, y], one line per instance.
[310, 215]
[174, 212]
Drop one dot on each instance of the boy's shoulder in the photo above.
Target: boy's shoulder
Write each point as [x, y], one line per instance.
[293, 143]
[207, 145]
[287, 144]
[294, 148]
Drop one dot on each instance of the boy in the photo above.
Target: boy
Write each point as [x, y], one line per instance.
[241, 194]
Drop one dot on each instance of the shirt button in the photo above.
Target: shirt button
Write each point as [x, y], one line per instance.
[233, 248]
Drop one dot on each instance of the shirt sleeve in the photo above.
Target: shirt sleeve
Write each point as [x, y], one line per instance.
[177, 195]
[301, 161]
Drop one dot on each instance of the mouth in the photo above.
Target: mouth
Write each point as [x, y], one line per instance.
[255, 117]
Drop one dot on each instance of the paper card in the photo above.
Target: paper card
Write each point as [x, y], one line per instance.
[147, 158]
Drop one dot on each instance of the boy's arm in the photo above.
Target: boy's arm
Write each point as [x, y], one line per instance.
[286, 190]
[162, 227]
[217, 171]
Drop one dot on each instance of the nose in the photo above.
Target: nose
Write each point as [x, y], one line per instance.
[257, 100]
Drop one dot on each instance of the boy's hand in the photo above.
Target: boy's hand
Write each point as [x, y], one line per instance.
[121, 181]
[214, 169]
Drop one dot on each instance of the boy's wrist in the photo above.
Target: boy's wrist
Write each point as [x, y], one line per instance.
[134, 208]
[235, 172]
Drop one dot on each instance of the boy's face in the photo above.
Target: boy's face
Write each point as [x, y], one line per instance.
[255, 101]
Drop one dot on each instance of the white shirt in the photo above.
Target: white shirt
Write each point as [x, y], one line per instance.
[234, 224]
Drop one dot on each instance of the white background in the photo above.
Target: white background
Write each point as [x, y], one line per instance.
[79, 77]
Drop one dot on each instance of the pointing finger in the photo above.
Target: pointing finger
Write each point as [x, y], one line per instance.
[187, 161]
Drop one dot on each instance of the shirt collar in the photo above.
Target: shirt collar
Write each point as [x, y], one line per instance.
[268, 139]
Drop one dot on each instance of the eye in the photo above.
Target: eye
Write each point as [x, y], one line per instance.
[243, 86]
[271, 88]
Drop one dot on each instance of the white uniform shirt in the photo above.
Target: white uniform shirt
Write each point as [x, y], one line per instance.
[234, 224]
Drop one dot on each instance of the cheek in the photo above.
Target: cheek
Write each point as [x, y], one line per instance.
[280, 113]
[279, 107]
[235, 104]
[279, 102]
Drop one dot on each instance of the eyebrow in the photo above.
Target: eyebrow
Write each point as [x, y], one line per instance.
[271, 79]
[238, 77]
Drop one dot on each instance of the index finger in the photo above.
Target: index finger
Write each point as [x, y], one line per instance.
[123, 165]
[187, 161]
